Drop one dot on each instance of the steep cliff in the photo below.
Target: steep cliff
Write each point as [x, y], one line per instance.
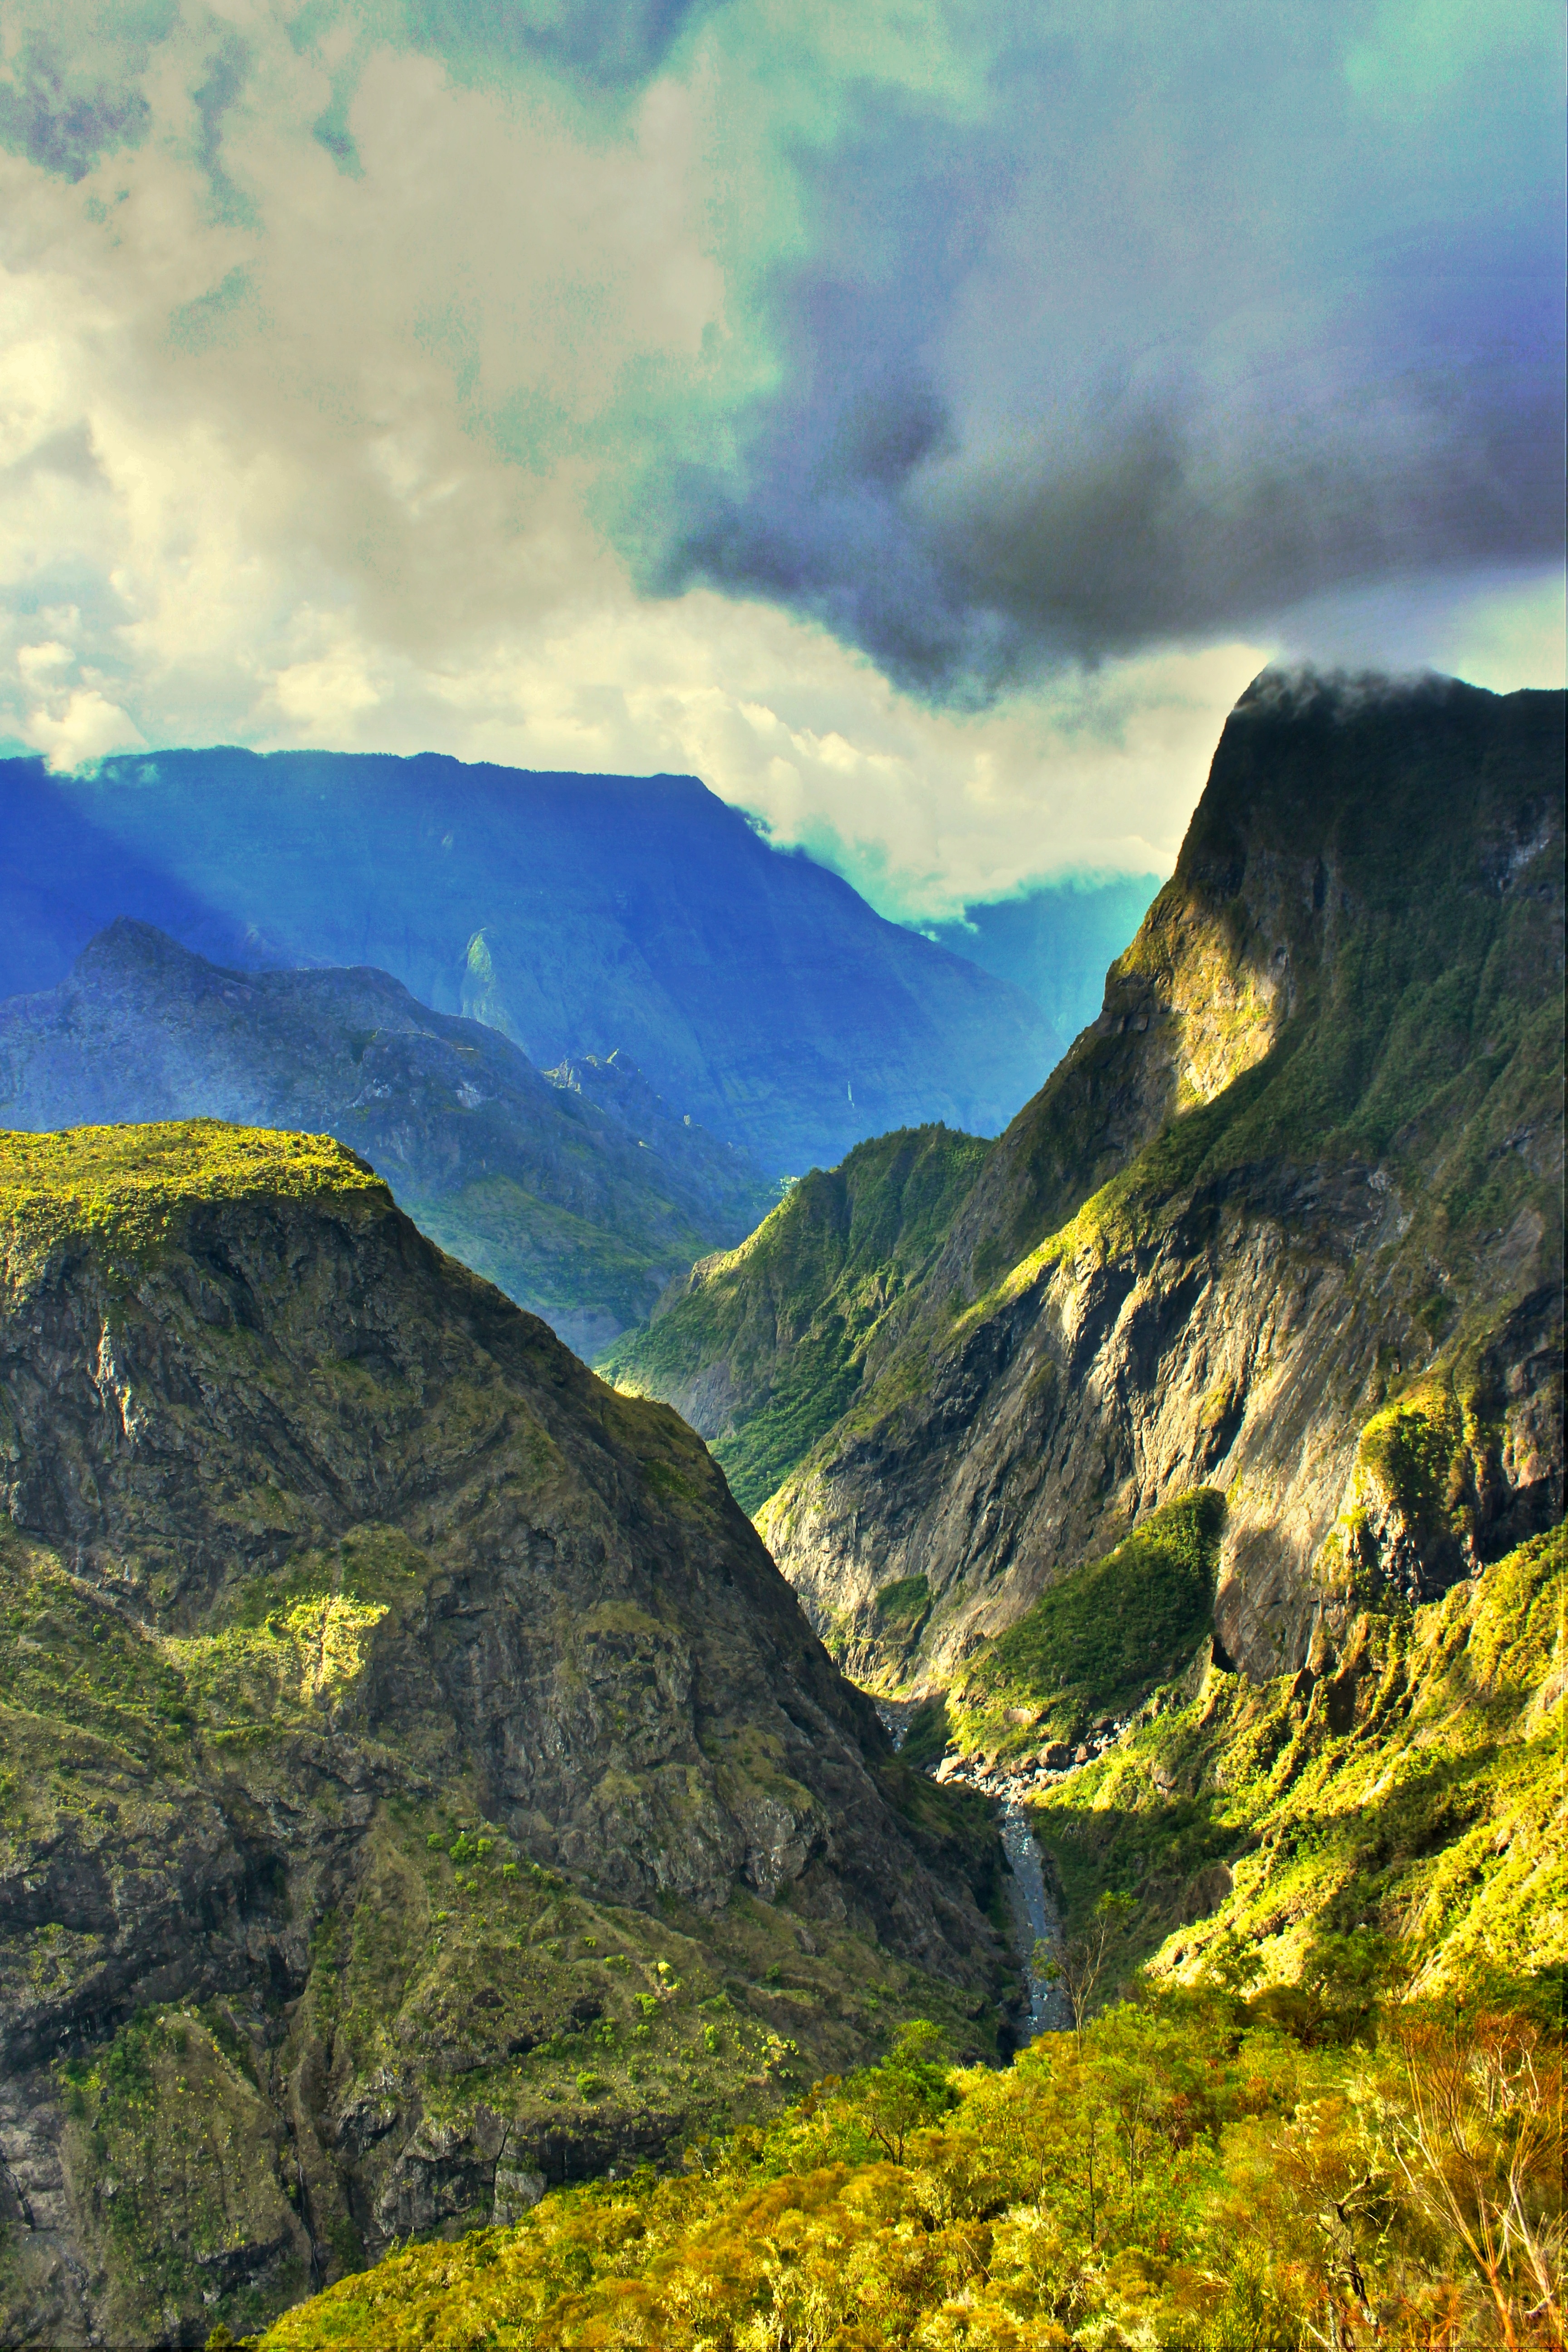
[419, 1783]
[577, 1190]
[762, 1347]
[1285, 1222]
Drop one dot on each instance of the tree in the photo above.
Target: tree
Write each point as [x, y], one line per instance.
[1078, 1965]
[907, 2091]
[1478, 2140]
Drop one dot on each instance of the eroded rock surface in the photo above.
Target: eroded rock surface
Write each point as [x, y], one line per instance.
[419, 1767]
[1287, 1221]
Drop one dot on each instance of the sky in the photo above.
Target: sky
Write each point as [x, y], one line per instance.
[919, 421]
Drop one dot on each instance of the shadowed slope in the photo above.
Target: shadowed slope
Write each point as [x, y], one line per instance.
[579, 1194]
[577, 914]
[409, 1733]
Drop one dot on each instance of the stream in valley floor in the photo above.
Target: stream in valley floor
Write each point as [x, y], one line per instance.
[1034, 1916]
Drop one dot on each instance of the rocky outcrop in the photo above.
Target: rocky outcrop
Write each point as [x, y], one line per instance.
[420, 1773]
[1287, 1221]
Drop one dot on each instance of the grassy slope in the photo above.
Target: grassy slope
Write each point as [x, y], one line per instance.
[1095, 1646]
[1416, 1790]
[1413, 1786]
[785, 1319]
[120, 1186]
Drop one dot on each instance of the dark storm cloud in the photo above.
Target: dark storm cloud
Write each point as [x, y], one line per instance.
[1128, 364]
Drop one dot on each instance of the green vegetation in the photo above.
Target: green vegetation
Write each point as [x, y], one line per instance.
[1409, 1790]
[125, 1189]
[1424, 1027]
[558, 1263]
[778, 1329]
[1192, 2177]
[1098, 1643]
[454, 1965]
[190, 2170]
[1341, 1023]
[1327, 2108]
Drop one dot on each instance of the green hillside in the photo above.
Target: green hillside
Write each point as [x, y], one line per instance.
[1306, 1168]
[416, 1783]
[1328, 2101]
[1407, 1783]
[766, 1349]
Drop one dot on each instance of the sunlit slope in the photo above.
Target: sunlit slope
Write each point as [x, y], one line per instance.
[1407, 1783]
[764, 1348]
[1192, 2173]
[1287, 1221]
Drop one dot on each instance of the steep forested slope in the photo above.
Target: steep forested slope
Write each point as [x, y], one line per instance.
[763, 1347]
[579, 1192]
[1287, 1221]
[418, 1782]
[1187, 2173]
[757, 992]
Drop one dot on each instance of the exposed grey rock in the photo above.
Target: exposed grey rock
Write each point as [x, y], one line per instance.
[1341, 1021]
[529, 1602]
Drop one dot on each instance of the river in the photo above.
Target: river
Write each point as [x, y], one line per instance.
[1035, 1915]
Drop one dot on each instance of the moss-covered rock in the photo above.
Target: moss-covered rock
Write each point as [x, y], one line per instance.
[417, 1778]
[1405, 1785]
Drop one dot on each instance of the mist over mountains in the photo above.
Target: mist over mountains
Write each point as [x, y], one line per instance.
[579, 915]
[1054, 942]
[578, 1191]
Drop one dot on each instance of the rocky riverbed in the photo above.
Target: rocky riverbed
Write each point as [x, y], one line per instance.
[1037, 1914]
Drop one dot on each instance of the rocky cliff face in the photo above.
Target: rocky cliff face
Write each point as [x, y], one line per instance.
[1285, 1222]
[420, 1782]
[577, 1190]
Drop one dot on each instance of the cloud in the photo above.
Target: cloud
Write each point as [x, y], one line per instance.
[919, 421]
[611, 44]
[1187, 333]
[64, 119]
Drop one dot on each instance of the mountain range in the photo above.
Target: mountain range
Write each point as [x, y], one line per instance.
[576, 1191]
[581, 916]
[422, 1787]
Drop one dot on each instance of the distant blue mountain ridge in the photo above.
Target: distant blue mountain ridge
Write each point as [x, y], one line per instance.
[1054, 941]
[578, 915]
